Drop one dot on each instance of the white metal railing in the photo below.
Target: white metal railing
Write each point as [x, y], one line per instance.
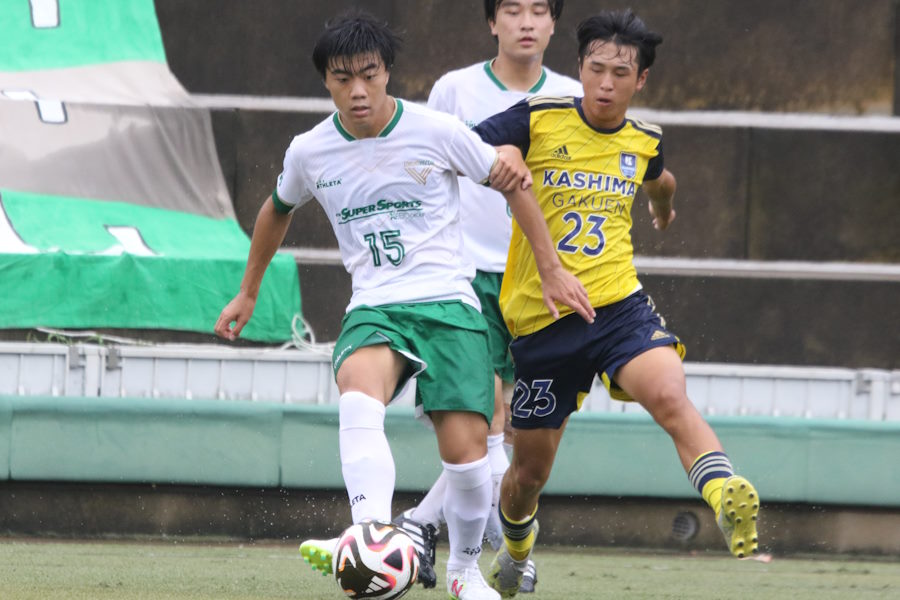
[166, 371]
[694, 118]
[703, 267]
[305, 377]
[779, 391]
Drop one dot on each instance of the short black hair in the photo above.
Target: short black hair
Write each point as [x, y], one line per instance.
[624, 28]
[353, 34]
[490, 8]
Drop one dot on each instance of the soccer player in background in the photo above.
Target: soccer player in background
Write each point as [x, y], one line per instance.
[588, 159]
[522, 29]
[385, 172]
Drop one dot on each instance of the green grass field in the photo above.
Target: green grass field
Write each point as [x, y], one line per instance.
[42, 570]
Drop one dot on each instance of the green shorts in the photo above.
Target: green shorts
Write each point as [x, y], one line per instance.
[487, 287]
[446, 344]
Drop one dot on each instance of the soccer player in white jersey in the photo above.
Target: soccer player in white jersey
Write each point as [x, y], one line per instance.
[385, 171]
[522, 29]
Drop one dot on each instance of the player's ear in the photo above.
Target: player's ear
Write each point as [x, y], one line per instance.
[642, 79]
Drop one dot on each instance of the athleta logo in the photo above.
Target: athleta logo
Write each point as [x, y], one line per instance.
[579, 180]
[356, 499]
[393, 207]
[561, 153]
[337, 358]
[472, 551]
[327, 183]
[419, 169]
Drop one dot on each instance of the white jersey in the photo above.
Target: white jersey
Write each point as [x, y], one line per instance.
[474, 94]
[393, 201]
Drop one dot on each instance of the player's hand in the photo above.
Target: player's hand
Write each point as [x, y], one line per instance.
[236, 312]
[661, 221]
[509, 170]
[563, 287]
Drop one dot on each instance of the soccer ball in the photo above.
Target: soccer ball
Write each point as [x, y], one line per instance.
[375, 560]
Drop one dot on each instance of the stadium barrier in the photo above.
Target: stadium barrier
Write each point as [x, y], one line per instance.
[215, 415]
[271, 445]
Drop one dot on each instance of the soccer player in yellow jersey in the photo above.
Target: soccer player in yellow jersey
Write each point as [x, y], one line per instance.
[588, 159]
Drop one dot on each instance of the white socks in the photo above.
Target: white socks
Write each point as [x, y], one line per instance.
[467, 501]
[366, 460]
[462, 493]
[499, 461]
[497, 454]
[430, 510]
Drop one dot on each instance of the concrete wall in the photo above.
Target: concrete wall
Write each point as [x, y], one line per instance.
[824, 195]
[91, 510]
[778, 321]
[807, 55]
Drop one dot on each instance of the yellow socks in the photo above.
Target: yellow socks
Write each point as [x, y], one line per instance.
[712, 493]
[707, 474]
[519, 535]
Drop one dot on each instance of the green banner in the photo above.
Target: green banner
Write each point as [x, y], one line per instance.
[76, 263]
[120, 216]
[55, 34]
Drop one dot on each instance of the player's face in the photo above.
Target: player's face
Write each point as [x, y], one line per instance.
[609, 75]
[358, 87]
[523, 28]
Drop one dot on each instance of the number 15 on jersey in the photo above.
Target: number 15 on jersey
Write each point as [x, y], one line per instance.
[386, 244]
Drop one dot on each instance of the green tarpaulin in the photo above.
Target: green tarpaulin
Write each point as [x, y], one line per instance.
[113, 209]
[90, 32]
[85, 263]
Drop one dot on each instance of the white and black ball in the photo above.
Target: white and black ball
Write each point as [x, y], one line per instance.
[375, 560]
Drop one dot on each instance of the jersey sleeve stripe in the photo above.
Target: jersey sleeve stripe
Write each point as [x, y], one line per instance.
[648, 128]
[550, 102]
[280, 206]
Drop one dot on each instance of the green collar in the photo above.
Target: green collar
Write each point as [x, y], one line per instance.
[398, 111]
[490, 73]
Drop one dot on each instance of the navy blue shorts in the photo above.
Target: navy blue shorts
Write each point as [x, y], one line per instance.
[556, 365]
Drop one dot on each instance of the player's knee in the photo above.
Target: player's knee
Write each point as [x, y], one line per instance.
[668, 402]
[530, 478]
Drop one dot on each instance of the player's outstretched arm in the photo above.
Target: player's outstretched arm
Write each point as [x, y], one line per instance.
[557, 284]
[268, 233]
[661, 192]
[509, 170]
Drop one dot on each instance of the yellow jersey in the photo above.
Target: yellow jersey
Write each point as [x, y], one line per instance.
[585, 181]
